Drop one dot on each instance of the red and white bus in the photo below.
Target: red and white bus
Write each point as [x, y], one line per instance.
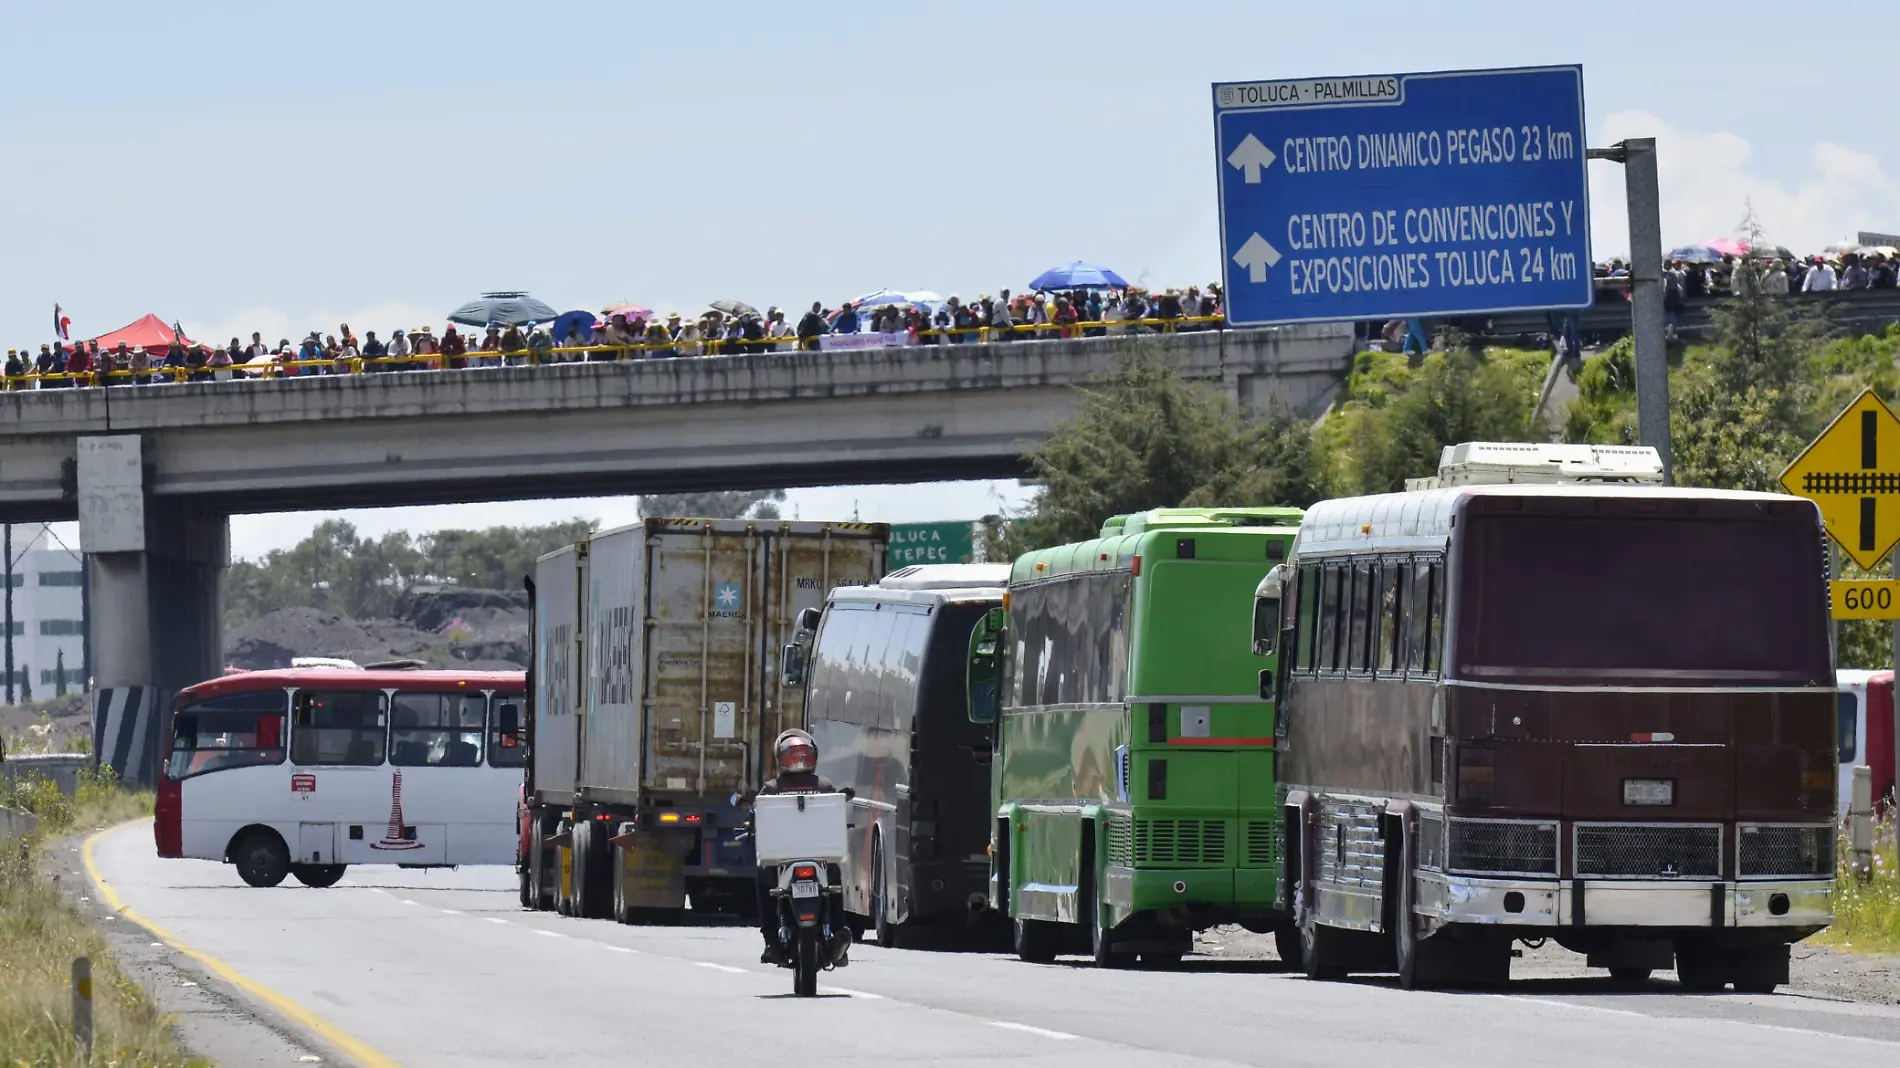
[1866, 732]
[308, 770]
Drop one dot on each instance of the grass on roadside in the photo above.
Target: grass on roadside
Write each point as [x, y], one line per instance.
[1867, 914]
[40, 934]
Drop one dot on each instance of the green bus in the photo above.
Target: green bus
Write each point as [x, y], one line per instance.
[1133, 764]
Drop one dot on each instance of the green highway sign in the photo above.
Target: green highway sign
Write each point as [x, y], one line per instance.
[932, 543]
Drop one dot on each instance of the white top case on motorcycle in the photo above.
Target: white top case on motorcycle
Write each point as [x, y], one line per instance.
[800, 827]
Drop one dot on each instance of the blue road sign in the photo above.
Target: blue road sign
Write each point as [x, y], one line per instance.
[1403, 195]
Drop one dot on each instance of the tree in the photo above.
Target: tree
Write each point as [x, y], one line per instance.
[26, 684]
[59, 673]
[1396, 419]
[719, 504]
[1146, 438]
[336, 569]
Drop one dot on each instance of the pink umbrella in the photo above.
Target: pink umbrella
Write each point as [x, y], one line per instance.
[631, 311]
[1727, 246]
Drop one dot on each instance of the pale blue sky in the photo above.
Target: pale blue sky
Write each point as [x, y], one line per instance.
[280, 166]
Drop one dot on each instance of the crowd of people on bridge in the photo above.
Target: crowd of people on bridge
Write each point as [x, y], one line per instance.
[629, 332]
[731, 328]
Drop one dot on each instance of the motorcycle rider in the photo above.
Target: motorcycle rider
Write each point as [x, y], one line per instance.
[797, 758]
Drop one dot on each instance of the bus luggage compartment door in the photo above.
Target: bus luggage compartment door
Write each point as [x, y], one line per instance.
[316, 843]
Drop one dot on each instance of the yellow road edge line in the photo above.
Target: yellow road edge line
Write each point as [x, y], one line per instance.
[329, 1032]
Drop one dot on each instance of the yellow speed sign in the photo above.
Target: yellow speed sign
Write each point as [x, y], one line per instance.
[1865, 599]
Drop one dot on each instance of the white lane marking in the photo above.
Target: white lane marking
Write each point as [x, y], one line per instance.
[406, 901]
[622, 949]
[1573, 1006]
[494, 919]
[450, 912]
[549, 934]
[1802, 1031]
[851, 993]
[721, 967]
[1028, 1030]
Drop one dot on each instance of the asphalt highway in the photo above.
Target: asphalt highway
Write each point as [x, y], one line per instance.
[425, 968]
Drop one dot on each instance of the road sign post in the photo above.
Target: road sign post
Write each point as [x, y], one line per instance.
[1403, 195]
[1852, 473]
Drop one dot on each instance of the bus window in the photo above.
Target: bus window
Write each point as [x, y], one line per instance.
[437, 730]
[1423, 609]
[1332, 579]
[1359, 635]
[239, 730]
[1392, 578]
[1848, 707]
[507, 750]
[339, 727]
[1309, 615]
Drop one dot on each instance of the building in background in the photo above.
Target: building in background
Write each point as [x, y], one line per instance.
[49, 617]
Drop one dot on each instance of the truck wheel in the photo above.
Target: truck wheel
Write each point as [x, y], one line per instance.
[261, 858]
[317, 876]
[1629, 976]
[526, 879]
[1698, 973]
[540, 899]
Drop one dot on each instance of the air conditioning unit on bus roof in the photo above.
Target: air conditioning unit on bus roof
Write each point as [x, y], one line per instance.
[1490, 463]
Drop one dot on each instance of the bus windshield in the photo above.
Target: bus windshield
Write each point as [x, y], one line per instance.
[1593, 600]
[236, 730]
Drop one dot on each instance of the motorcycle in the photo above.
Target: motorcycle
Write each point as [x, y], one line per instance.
[803, 837]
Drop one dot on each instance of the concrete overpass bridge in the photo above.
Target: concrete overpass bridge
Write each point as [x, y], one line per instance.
[152, 473]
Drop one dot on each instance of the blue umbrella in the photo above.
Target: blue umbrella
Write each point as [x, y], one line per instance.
[1078, 275]
[568, 324]
[502, 309]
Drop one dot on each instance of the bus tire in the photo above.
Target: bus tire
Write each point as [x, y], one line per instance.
[1319, 948]
[318, 876]
[882, 927]
[1286, 940]
[1035, 941]
[261, 857]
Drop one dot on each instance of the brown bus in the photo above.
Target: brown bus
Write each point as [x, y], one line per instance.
[1600, 714]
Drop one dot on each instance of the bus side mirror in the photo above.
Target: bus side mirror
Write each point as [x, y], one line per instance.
[1266, 684]
[985, 676]
[808, 620]
[792, 663]
[1266, 625]
[509, 719]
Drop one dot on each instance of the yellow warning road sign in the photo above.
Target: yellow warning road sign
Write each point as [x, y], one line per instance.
[1865, 598]
[1852, 472]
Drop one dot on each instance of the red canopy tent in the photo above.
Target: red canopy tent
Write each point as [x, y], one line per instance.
[150, 333]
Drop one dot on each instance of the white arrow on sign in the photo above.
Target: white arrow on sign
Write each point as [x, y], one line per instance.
[1252, 157]
[1257, 255]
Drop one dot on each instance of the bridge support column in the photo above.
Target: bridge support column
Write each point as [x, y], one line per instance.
[156, 610]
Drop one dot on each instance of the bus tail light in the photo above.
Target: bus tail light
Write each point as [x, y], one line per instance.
[168, 818]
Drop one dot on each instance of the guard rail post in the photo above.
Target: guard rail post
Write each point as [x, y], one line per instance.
[82, 1007]
[1860, 822]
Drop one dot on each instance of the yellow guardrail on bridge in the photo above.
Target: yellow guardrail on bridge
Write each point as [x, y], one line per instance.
[531, 357]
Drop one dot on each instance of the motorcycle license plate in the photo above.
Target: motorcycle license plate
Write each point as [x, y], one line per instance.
[804, 889]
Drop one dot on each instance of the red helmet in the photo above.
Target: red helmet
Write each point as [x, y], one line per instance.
[795, 751]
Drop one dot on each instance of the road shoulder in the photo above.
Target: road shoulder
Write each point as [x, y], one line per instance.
[212, 1017]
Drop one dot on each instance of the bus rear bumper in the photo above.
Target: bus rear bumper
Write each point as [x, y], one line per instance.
[1142, 889]
[1795, 903]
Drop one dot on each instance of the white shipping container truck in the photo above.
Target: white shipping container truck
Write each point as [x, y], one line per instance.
[657, 686]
